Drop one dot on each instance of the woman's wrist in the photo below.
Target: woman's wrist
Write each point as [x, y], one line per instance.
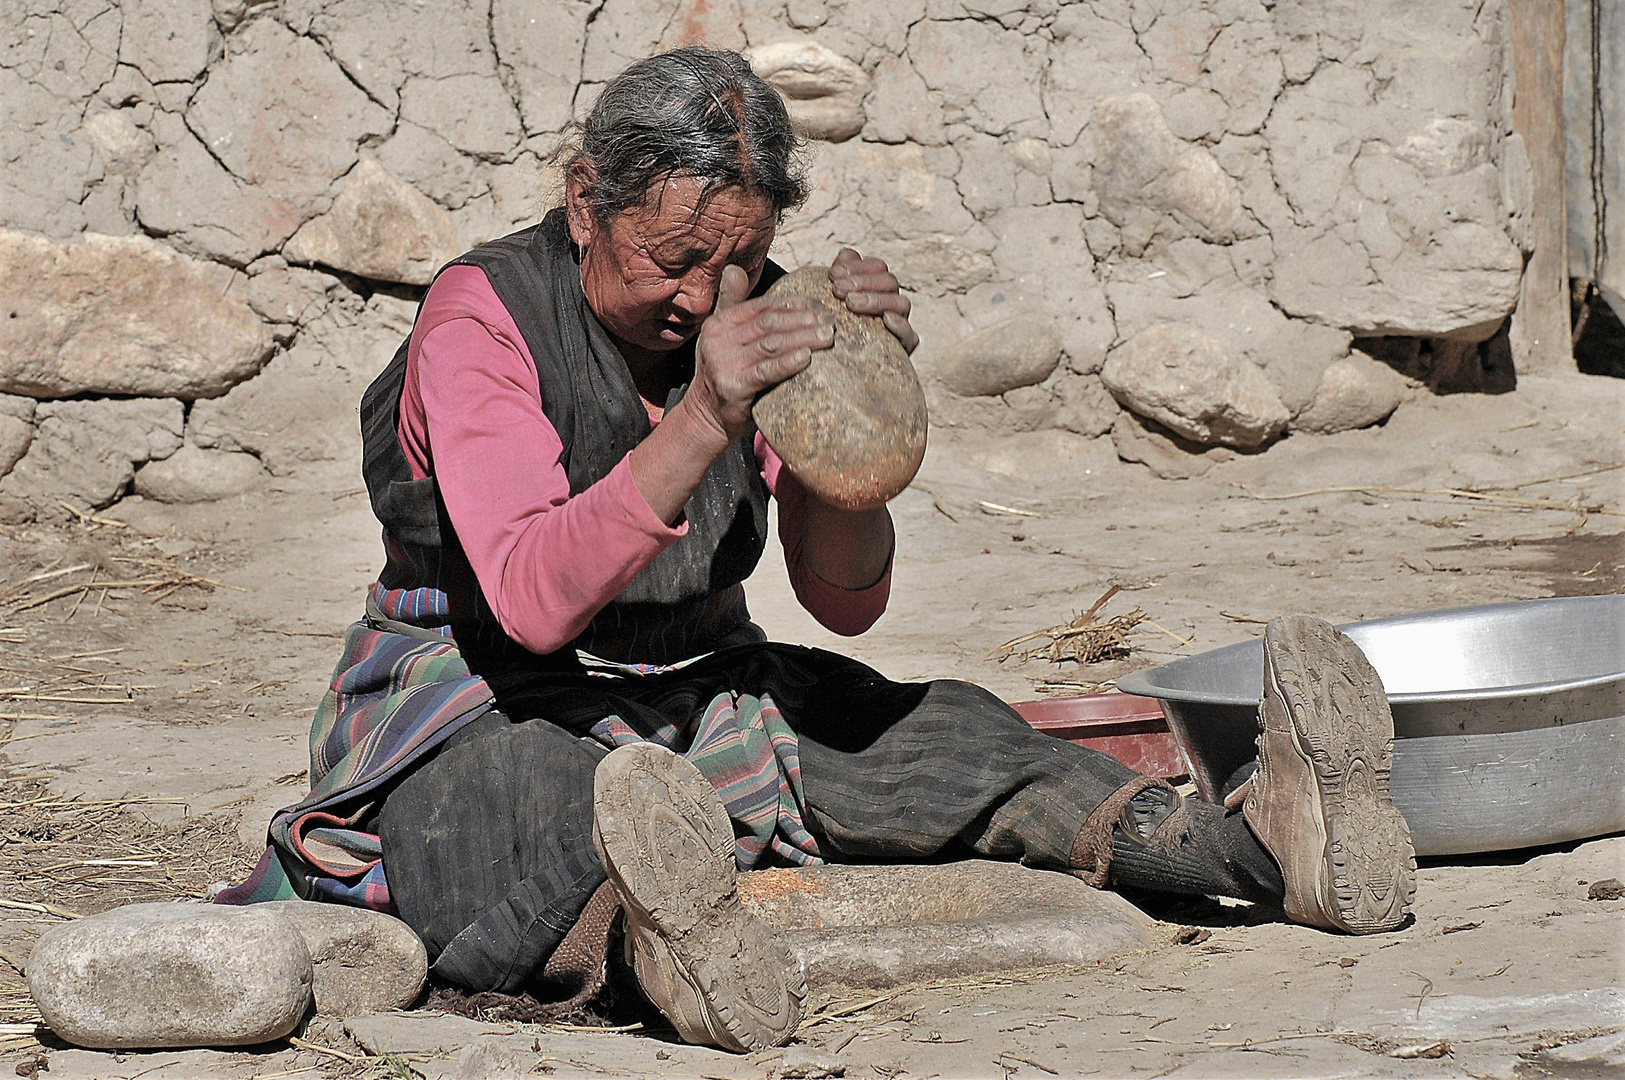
[849, 549]
[668, 466]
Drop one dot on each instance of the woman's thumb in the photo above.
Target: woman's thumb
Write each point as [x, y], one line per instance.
[733, 288]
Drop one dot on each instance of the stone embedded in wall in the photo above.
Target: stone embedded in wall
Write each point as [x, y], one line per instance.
[1392, 217]
[934, 264]
[1019, 352]
[1144, 173]
[1293, 353]
[822, 89]
[123, 145]
[1354, 393]
[86, 452]
[120, 315]
[379, 228]
[1167, 455]
[1185, 380]
[192, 475]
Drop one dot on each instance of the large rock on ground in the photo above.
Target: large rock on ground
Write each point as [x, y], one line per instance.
[1019, 352]
[194, 475]
[161, 975]
[1354, 393]
[1186, 381]
[878, 927]
[380, 228]
[120, 315]
[852, 425]
[364, 962]
[822, 89]
[85, 452]
[1143, 172]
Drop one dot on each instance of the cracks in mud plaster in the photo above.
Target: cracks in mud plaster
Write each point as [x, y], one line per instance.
[310, 34]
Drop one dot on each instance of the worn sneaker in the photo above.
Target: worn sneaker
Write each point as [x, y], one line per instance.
[1319, 802]
[712, 968]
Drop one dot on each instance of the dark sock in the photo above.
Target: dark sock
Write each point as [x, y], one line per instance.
[1204, 850]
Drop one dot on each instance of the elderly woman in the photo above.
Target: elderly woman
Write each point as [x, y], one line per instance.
[557, 706]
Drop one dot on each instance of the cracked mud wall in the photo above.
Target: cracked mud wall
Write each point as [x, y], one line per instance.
[1216, 189]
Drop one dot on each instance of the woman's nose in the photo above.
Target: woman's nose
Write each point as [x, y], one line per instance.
[698, 293]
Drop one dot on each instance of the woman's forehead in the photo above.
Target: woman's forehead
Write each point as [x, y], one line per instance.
[683, 211]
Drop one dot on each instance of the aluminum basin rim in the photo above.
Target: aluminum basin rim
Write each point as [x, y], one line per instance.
[1140, 682]
[1143, 687]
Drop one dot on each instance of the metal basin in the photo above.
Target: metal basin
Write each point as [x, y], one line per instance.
[1509, 719]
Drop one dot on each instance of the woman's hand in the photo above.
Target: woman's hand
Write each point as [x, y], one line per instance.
[747, 346]
[869, 288]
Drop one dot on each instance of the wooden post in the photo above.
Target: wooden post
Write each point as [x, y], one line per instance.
[1540, 326]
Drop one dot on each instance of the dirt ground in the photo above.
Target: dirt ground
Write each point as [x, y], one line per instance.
[149, 732]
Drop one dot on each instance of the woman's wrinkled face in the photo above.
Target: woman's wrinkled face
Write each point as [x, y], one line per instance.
[651, 274]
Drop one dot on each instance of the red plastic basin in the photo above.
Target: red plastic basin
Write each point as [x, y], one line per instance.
[1130, 729]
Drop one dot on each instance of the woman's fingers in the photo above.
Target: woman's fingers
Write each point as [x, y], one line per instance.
[733, 288]
[876, 279]
[901, 330]
[877, 303]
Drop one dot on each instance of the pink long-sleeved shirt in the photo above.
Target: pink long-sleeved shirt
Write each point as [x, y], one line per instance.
[547, 562]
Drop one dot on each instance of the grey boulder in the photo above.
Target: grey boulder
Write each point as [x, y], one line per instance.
[1184, 380]
[380, 228]
[823, 91]
[1015, 353]
[121, 315]
[1353, 393]
[364, 961]
[167, 975]
[194, 475]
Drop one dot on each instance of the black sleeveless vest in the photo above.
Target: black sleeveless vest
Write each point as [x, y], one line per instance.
[673, 605]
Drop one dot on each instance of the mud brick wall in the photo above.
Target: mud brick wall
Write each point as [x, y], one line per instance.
[1186, 223]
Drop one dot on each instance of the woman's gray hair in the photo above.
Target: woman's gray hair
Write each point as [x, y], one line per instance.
[690, 112]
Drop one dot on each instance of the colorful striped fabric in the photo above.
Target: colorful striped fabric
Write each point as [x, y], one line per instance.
[750, 755]
[395, 697]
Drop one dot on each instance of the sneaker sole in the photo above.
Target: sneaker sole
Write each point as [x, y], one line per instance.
[1338, 712]
[668, 847]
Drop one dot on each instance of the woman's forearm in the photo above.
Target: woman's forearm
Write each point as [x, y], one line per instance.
[849, 549]
[669, 465]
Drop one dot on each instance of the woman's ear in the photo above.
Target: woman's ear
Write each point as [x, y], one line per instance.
[578, 183]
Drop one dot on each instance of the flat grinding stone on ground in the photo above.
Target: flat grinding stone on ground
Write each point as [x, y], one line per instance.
[882, 926]
[365, 961]
[167, 975]
[852, 426]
